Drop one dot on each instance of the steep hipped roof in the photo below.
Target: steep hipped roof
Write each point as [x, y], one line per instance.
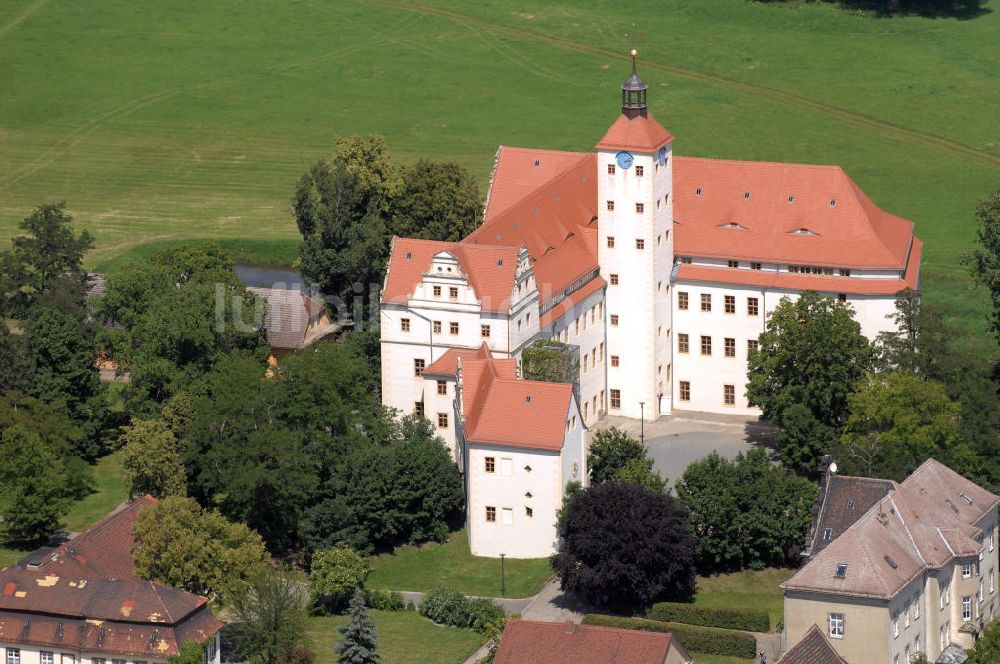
[843, 228]
[103, 550]
[640, 134]
[489, 268]
[845, 500]
[923, 523]
[447, 364]
[493, 398]
[814, 648]
[288, 315]
[532, 642]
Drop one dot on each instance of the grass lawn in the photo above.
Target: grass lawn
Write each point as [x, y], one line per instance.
[422, 568]
[194, 119]
[110, 493]
[748, 589]
[404, 638]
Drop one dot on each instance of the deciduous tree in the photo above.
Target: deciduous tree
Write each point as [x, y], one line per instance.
[151, 460]
[269, 618]
[984, 262]
[334, 576]
[987, 649]
[551, 361]
[803, 440]
[439, 201]
[610, 450]
[33, 495]
[359, 642]
[624, 546]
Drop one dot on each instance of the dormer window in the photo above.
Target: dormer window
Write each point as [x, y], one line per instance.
[746, 195]
[500, 263]
[409, 255]
[804, 231]
[734, 225]
[827, 534]
[842, 570]
[964, 496]
[697, 192]
[537, 163]
[833, 202]
[791, 198]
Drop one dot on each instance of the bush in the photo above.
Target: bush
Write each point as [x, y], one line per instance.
[705, 640]
[299, 655]
[381, 600]
[449, 607]
[751, 620]
[335, 574]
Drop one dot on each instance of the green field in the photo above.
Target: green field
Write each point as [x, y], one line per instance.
[186, 119]
[109, 493]
[404, 638]
[746, 589]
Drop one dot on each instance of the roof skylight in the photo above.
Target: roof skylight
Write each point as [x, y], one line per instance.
[842, 570]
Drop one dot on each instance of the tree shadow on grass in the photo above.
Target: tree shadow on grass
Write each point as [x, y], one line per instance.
[959, 9]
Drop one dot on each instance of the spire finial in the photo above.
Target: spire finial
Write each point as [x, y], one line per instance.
[634, 92]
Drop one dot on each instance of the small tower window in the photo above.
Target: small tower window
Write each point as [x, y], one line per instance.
[640, 244]
[638, 171]
[614, 279]
[611, 169]
[611, 206]
[639, 207]
[611, 242]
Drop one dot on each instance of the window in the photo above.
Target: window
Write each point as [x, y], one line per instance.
[453, 328]
[906, 615]
[827, 534]
[966, 569]
[614, 320]
[418, 367]
[437, 327]
[837, 625]
[507, 516]
[841, 571]
[685, 390]
[491, 514]
[730, 304]
[13, 656]
[118, 661]
[685, 260]
[442, 387]
[507, 464]
[47, 657]
[616, 399]
[895, 625]
[706, 345]
[991, 586]
[682, 300]
[638, 171]
[729, 395]
[585, 358]
[418, 408]
[611, 169]
[916, 607]
[484, 331]
[842, 297]
[752, 346]
[614, 360]
[611, 206]
[733, 264]
[640, 244]
[752, 308]
[611, 242]
[639, 208]
[966, 608]
[404, 324]
[529, 512]
[682, 343]
[755, 266]
[453, 293]
[490, 464]
[614, 279]
[602, 350]
[442, 420]
[730, 345]
[706, 302]
[437, 291]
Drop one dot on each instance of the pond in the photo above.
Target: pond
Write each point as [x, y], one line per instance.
[270, 277]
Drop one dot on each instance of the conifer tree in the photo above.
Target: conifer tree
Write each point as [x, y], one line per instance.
[360, 636]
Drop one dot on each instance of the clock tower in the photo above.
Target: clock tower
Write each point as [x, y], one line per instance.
[635, 254]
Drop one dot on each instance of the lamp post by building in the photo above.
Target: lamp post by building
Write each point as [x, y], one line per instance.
[503, 587]
[642, 422]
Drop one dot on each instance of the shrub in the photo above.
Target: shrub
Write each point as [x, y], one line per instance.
[299, 655]
[382, 600]
[706, 640]
[449, 607]
[336, 572]
[751, 620]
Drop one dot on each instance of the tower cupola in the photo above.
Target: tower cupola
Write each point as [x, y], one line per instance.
[634, 93]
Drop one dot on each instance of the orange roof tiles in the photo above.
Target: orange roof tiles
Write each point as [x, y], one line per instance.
[641, 134]
[490, 269]
[532, 642]
[564, 307]
[447, 364]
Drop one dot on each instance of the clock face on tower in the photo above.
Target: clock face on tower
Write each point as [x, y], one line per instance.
[624, 159]
[661, 156]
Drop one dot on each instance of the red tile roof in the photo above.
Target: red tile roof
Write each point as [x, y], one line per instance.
[567, 305]
[532, 642]
[447, 364]
[640, 134]
[489, 268]
[493, 398]
[103, 550]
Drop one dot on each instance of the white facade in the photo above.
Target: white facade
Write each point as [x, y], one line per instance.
[18, 654]
[585, 326]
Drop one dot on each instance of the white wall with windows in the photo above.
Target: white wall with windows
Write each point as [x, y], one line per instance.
[31, 654]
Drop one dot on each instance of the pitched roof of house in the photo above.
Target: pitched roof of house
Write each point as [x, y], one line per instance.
[447, 364]
[641, 133]
[111, 616]
[288, 315]
[103, 550]
[532, 642]
[845, 500]
[490, 269]
[926, 521]
[493, 398]
[814, 648]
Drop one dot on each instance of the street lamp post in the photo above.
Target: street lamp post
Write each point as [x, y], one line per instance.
[503, 587]
[642, 422]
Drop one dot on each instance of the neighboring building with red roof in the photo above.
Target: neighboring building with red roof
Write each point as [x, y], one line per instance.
[293, 320]
[916, 571]
[660, 270]
[531, 642]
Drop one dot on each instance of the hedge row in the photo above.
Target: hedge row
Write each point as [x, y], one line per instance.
[751, 620]
[449, 607]
[706, 640]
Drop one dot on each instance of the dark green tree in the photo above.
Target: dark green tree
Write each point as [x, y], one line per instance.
[803, 440]
[34, 495]
[46, 256]
[611, 450]
[987, 649]
[15, 372]
[812, 353]
[439, 201]
[984, 262]
[624, 547]
[269, 618]
[335, 575]
[151, 460]
[191, 652]
[551, 361]
[359, 642]
[745, 513]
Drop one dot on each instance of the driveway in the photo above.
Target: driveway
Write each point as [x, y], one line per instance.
[676, 441]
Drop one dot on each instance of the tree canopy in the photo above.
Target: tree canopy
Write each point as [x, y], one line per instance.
[34, 496]
[335, 574]
[151, 460]
[624, 547]
[551, 361]
[359, 642]
[984, 261]
[615, 456]
[268, 617]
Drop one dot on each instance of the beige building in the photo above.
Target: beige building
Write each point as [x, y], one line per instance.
[915, 571]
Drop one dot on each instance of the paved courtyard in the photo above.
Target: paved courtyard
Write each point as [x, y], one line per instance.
[677, 440]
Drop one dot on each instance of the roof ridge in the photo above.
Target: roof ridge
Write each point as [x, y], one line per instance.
[795, 164]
